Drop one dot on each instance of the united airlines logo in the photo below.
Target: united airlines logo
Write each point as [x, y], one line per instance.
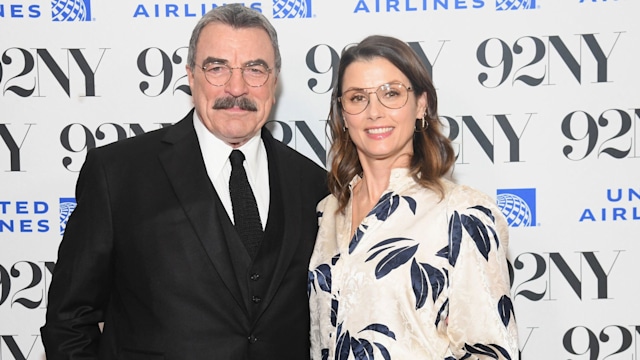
[502, 5]
[66, 208]
[285, 9]
[518, 206]
[71, 10]
[182, 10]
[395, 6]
[617, 204]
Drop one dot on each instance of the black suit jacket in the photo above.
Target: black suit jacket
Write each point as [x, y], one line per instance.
[147, 251]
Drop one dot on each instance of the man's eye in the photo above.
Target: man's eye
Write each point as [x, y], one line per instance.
[255, 70]
[216, 69]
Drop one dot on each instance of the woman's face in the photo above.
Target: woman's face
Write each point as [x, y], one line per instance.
[380, 133]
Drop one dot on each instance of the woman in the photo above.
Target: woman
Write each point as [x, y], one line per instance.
[407, 264]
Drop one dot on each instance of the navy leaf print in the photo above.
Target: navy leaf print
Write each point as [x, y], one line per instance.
[319, 214]
[362, 349]
[386, 206]
[335, 259]
[394, 259]
[323, 275]
[334, 312]
[478, 232]
[422, 275]
[356, 239]
[387, 242]
[310, 282]
[502, 350]
[383, 351]
[455, 238]
[377, 252]
[505, 308]
[325, 354]
[381, 328]
[441, 312]
[487, 350]
[486, 211]
[450, 358]
[495, 237]
[436, 279]
[411, 202]
[419, 284]
[443, 253]
[343, 347]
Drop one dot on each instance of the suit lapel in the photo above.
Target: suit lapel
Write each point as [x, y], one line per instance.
[182, 161]
[291, 205]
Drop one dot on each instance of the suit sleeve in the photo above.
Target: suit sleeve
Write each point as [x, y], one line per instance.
[81, 282]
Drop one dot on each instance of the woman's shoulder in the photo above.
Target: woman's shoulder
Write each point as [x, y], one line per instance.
[462, 196]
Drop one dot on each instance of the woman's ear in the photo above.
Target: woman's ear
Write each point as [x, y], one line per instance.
[421, 109]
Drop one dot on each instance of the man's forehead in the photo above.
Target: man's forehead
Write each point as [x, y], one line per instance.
[228, 44]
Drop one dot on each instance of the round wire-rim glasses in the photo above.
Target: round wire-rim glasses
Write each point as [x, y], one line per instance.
[254, 75]
[391, 95]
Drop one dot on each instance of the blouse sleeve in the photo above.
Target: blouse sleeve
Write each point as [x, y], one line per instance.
[481, 321]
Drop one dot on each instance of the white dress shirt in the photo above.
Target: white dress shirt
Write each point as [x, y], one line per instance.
[215, 153]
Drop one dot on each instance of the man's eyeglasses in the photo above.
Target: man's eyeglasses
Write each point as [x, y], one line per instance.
[392, 95]
[254, 75]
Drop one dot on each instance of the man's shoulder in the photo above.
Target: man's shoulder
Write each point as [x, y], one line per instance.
[149, 139]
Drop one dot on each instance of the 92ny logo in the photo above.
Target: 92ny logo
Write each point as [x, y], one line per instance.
[23, 72]
[531, 60]
[546, 276]
[611, 342]
[25, 284]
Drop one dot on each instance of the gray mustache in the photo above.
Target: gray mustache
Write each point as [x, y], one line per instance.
[230, 101]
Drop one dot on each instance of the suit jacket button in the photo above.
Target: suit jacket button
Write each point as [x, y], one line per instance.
[252, 339]
[254, 277]
[256, 299]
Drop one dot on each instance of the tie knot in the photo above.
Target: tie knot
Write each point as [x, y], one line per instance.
[236, 158]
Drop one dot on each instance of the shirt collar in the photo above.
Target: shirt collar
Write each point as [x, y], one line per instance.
[211, 147]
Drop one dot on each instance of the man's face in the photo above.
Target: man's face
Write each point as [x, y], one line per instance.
[234, 122]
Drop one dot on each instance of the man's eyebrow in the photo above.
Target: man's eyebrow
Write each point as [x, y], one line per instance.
[257, 62]
[215, 60]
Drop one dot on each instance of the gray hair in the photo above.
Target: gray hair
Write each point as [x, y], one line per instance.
[239, 17]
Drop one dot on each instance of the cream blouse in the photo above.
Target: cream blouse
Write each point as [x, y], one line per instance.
[422, 278]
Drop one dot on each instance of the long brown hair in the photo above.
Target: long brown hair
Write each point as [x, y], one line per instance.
[433, 155]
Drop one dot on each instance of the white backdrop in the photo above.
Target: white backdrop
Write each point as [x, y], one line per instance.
[539, 96]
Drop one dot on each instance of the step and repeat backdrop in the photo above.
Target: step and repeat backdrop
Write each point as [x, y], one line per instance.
[541, 99]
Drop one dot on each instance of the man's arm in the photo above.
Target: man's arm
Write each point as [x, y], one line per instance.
[81, 282]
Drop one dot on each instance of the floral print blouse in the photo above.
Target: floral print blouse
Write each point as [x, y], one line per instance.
[421, 278]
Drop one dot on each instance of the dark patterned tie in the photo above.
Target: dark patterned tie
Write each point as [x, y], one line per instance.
[245, 210]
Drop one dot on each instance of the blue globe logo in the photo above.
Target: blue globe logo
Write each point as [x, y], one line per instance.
[515, 209]
[515, 4]
[68, 10]
[291, 9]
[66, 208]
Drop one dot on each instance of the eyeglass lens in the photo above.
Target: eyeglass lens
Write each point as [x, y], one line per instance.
[219, 74]
[392, 96]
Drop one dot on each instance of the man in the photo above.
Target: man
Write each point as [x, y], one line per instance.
[151, 249]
